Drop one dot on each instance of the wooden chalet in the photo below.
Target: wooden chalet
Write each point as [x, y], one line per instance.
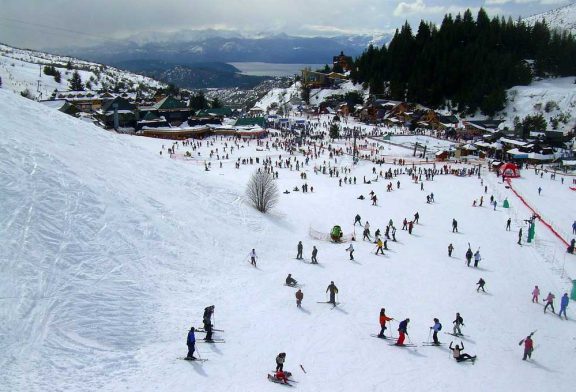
[121, 107]
[343, 62]
[174, 111]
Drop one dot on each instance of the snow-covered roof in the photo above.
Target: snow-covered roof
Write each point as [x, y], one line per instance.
[512, 142]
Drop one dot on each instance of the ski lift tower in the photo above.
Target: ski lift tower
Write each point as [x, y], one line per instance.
[354, 150]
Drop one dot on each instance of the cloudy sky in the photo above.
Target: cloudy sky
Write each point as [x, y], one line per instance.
[41, 24]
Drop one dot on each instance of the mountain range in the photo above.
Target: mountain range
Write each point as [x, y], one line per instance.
[214, 46]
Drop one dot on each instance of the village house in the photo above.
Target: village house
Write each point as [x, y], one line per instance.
[174, 111]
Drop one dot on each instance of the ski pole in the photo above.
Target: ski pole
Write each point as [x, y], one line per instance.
[429, 332]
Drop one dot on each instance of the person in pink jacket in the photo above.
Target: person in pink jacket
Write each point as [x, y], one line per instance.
[535, 294]
[550, 302]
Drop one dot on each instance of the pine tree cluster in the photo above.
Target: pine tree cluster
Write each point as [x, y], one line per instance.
[50, 70]
[466, 63]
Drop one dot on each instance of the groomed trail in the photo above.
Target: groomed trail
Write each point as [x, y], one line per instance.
[110, 252]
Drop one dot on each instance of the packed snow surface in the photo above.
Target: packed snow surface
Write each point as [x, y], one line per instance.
[110, 252]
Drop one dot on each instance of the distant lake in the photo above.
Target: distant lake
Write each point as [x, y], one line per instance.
[272, 69]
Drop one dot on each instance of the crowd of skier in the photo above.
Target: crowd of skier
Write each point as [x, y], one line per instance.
[342, 173]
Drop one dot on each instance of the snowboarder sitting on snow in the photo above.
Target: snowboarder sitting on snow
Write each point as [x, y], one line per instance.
[290, 281]
[458, 355]
[333, 291]
[191, 342]
[296, 189]
[383, 318]
[286, 192]
[361, 197]
[280, 361]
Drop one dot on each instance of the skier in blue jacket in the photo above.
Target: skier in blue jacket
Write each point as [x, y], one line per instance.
[436, 327]
[563, 305]
[191, 342]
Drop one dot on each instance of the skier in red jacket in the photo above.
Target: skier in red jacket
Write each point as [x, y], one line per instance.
[528, 346]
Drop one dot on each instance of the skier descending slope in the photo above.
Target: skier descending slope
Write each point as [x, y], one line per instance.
[550, 302]
[191, 343]
[402, 331]
[299, 298]
[458, 322]
[383, 319]
[314, 260]
[481, 283]
[351, 250]
[333, 291]
[206, 319]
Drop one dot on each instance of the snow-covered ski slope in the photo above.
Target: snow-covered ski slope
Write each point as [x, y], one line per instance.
[110, 251]
[20, 71]
[561, 18]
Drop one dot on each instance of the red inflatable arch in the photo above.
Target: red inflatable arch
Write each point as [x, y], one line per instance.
[510, 170]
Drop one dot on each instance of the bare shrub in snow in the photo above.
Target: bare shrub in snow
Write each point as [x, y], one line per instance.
[262, 191]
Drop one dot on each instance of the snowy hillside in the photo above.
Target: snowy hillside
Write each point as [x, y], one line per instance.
[563, 18]
[283, 96]
[111, 251]
[553, 98]
[20, 70]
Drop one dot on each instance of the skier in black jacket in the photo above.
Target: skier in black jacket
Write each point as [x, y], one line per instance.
[208, 311]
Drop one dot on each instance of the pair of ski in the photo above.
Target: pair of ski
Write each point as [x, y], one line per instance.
[405, 344]
[458, 335]
[211, 341]
[194, 360]
[203, 330]
[334, 304]
[392, 340]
